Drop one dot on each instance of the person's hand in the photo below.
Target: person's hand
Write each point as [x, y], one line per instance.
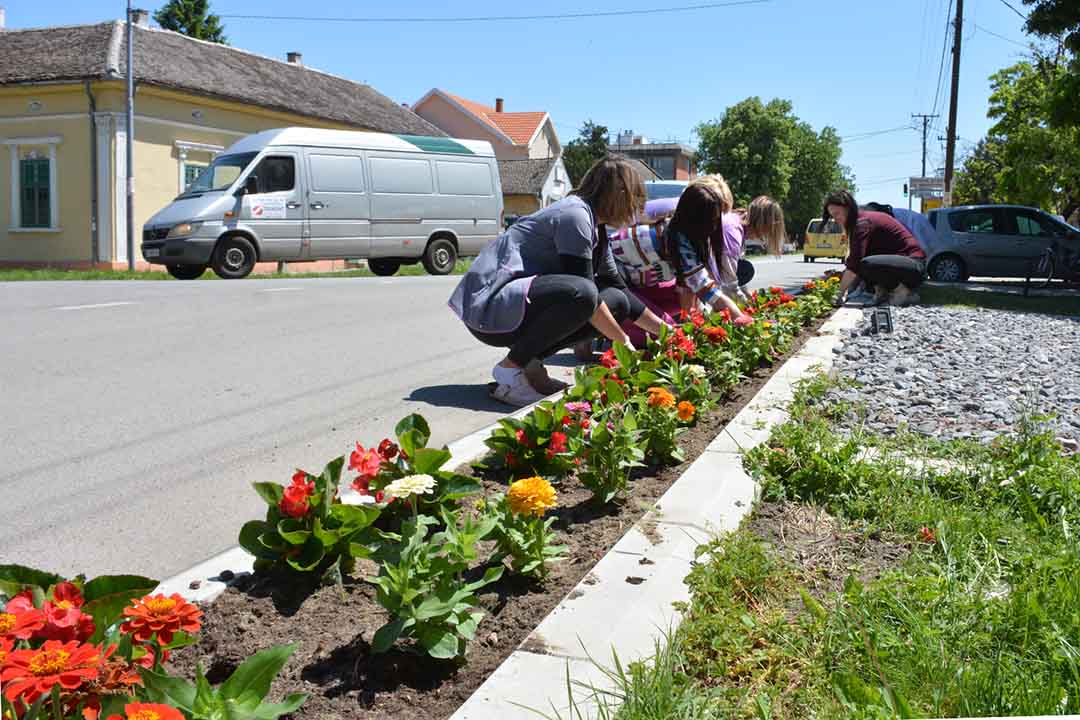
[629, 345]
[743, 320]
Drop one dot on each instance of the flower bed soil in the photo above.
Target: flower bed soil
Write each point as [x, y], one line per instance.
[332, 662]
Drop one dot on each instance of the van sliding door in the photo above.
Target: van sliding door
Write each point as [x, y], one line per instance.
[339, 209]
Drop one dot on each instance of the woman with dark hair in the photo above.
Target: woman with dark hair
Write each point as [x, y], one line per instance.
[550, 280]
[881, 252]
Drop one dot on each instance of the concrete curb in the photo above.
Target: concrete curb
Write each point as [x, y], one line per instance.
[205, 581]
[626, 603]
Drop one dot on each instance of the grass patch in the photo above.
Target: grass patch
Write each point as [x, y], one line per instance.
[943, 581]
[961, 297]
[51, 274]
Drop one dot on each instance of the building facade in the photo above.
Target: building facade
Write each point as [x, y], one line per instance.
[670, 161]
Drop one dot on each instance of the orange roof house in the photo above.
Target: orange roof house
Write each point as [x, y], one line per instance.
[525, 143]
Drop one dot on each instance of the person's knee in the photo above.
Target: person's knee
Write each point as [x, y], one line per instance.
[617, 303]
[585, 297]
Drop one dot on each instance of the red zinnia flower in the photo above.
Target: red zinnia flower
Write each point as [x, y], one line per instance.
[697, 318]
[725, 315]
[810, 285]
[775, 290]
[148, 711]
[785, 298]
[608, 359]
[584, 424]
[6, 646]
[30, 674]
[716, 334]
[522, 438]
[300, 479]
[365, 462]
[566, 420]
[294, 502]
[558, 442]
[160, 615]
[20, 623]
[387, 450]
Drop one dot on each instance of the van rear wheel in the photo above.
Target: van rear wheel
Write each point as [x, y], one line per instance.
[186, 272]
[383, 267]
[440, 257]
[234, 258]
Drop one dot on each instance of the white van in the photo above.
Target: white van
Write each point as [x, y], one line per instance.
[300, 194]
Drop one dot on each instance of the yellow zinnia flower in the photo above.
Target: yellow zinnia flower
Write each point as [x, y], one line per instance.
[531, 496]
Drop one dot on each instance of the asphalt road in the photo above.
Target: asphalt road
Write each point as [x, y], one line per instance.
[136, 414]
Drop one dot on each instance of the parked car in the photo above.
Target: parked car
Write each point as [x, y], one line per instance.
[993, 241]
[299, 194]
[656, 189]
[824, 240]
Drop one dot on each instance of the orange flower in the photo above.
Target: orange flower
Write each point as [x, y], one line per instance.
[148, 711]
[20, 622]
[161, 615]
[686, 411]
[659, 397]
[716, 334]
[29, 674]
[6, 646]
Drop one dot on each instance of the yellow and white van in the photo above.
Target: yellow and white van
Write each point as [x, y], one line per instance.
[824, 240]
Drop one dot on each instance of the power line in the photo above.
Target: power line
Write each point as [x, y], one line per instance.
[1006, 4]
[874, 133]
[991, 32]
[502, 18]
[941, 65]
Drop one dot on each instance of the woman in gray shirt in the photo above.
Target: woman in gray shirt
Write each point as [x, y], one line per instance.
[550, 280]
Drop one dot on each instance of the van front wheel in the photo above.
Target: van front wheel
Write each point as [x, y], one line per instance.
[234, 258]
[383, 267]
[440, 257]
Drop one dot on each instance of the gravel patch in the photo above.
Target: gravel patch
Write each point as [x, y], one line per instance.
[952, 373]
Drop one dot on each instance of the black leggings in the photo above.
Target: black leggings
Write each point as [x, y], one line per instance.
[888, 271]
[557, 316]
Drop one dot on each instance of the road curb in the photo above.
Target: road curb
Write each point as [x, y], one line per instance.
[625, 604]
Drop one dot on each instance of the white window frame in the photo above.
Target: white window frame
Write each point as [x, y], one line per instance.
[16, 184]
[183, 147]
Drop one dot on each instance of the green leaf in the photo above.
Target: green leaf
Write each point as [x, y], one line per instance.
[326, 537]
[250, 539]
[614, 392]
[168, 690]
[354, 517]
[413, 433]
[456, 487]
[467, 627]
[543, 419]
[270, 492]
[271, 711]
[252, 679]
[441, 643]
[14, 577]
[111, 594]
[630, 421]
[293, 530]
[427, 461]
[623, 355]
[311, 554]
[207, 703]
[387, 635]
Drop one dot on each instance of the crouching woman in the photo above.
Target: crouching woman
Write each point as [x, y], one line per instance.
[550, 281]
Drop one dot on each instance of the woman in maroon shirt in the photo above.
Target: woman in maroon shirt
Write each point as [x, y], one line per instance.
[881, 252]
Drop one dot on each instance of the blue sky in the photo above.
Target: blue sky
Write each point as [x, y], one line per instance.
[858, 65]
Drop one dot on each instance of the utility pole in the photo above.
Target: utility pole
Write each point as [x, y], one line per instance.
[925, 126]
[130, 142]
[950, 146]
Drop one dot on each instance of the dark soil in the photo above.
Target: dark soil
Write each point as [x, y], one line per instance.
[333, 663]
[822, 548]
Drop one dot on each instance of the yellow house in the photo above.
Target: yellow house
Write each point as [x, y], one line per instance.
[64, 129]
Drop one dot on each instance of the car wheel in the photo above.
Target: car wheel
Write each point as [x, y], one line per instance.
[948, 268]
[383, 267]
[186, 272]
[234, 258]
[440, 257]
[805, 259]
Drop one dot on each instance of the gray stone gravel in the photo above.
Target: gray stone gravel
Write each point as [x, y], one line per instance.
[954, 373]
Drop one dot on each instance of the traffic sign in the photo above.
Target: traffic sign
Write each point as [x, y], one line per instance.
[926, 187]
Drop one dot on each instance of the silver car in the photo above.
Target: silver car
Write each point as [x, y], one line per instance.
[993, 241]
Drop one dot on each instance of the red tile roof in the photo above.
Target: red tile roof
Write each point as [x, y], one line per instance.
[518, 126]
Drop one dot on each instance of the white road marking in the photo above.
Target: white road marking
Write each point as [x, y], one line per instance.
[95, 305]
[284, 289]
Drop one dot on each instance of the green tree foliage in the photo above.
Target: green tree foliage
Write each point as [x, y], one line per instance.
[1040, 161]
[1060, 19]
[764, 149]
[977, 180]
[590, 145]
[192, 18]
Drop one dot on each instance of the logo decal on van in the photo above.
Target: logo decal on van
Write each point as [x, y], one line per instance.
[436, 144]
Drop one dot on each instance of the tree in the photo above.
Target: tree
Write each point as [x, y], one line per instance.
[764, 149]
[977, 181]
[590, 145]
[1040, 161]
[1060, 20]
[192, 18]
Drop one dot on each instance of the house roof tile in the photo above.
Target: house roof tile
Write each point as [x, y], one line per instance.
[520, 127]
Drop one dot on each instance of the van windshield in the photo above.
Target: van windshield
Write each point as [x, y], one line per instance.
[220, 174]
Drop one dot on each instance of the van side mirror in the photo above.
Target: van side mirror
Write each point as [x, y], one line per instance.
[251, 186]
